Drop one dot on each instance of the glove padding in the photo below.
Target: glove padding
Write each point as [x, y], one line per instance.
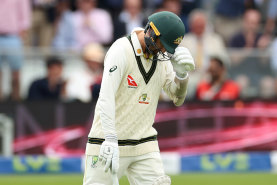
[109, 155]
[182, 62]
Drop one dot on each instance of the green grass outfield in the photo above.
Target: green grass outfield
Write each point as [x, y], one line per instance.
[184, 179]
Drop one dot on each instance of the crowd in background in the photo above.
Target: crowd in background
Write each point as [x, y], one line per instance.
[90, 26]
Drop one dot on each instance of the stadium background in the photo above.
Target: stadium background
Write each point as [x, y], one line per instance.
[202, 142]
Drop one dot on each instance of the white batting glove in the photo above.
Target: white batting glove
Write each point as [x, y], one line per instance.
[182, 62]
[109, 155]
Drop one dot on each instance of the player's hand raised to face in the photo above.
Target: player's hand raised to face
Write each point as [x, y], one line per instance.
[182, 61]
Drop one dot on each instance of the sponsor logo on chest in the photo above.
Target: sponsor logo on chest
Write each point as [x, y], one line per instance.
[131, 82]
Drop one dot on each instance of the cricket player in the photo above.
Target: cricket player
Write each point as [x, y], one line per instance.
[122, 140]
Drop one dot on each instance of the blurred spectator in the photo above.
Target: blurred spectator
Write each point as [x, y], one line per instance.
[92, 24]
[202, 41]
[271, 18]
[15, 19]
[174, 6]
[150, 6]
[64, 29]
[228, 17]
[41, 32]
[250, 35]
[52, 87]
[251, 70]
[129, 18]
[218, 86]
[113, 6]
[84, 84]
[182, 8]
[267, 87]
[188, 6]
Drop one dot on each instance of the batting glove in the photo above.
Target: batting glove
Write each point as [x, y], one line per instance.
[182, 62]
[109, 155]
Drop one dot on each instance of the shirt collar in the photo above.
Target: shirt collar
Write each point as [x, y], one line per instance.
[136, 43]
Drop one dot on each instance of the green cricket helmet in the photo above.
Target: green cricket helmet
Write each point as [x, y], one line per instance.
[169, 28]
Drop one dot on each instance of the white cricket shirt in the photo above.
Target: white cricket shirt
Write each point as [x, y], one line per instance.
[129, 97]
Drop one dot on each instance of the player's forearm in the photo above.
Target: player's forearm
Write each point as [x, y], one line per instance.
[180, 90]
[113, 71]
[106, 103]
[182, 63]
[107, 112]
[108, 128]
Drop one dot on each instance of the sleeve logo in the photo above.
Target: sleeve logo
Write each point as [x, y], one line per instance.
[113, 68]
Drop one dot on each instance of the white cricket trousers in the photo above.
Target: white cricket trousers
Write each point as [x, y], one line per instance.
[140, 170]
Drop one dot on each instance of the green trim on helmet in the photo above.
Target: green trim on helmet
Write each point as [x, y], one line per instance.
[170, 27]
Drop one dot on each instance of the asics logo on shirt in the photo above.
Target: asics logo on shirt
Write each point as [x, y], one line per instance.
[113, 68]
[131, 82]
